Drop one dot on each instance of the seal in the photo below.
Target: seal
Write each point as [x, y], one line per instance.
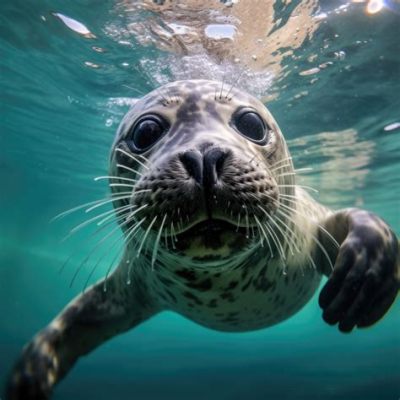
[216, 229]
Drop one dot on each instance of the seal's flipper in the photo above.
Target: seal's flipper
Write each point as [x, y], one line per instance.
[366, 276]
[84, 324]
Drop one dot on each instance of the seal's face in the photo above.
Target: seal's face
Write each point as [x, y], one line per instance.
[209, 164]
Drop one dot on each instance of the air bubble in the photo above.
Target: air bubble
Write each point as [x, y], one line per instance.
[340, 55]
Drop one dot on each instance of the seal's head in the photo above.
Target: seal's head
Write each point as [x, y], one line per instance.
[208, 165]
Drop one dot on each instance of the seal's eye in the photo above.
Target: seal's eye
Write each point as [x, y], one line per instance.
[251, 125]
[146, 132]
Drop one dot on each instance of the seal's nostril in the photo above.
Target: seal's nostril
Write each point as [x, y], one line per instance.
[193, 162]
[213, 165]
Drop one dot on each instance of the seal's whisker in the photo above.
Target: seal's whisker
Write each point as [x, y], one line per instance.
[134, 89]
[317, 242]
[289, 196]
[222, 84]
[173, 235]
[333, 240]
[127, 221]
[252, 159]
[291, 230]
[134, 158]
[103, 226]
[246, 216]
[260, 235]
[145, 159]
[285, 174]
[90, 220]
[98, 178]
[157, 242]
[289, 208]
[166, 236]
[291, 199]
[145, 236]
[275, 239]
[129, 185]
[94, 248]
[129, 169]
[234, 84]
[259, 159]
[77, 208]
[288, 166]
[265, 235]
[123, 241]
[284, 236]
[290, 218]
[290, 233]
[272, 233]
[133, 213]
[166, 98]
[126, 196]
[238, 222]
[131, 234]
[305, 169]
[118, 211]
[302, 186]
[287, 160]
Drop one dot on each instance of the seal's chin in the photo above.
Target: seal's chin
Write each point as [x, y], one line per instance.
[212, 238]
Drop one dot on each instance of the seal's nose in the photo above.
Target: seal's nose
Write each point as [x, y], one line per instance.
[193, 162]
[205, 168]
[213, 162]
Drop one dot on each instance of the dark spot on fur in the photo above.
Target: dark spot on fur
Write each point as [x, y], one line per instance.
[188, 112]
[230, 320]
[191, 296]
[263, 284]
[212, 303]
[244, 273]
[203, 286]
[212, 110]
[187, 274]
[228, 296]
[166, 281]
[232, 285]
[233, 314]
[171, 296]
[286, 280]
[246, 285]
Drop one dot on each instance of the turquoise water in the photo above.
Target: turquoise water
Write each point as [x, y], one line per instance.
[335, 94]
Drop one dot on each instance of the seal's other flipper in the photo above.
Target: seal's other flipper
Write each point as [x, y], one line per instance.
[366, 276]
[84, 324]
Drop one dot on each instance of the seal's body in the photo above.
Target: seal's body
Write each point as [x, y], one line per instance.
[217, 230]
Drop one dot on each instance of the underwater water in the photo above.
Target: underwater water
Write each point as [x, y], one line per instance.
[329, 71]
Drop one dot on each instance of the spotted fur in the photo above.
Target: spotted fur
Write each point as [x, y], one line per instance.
[260, 269]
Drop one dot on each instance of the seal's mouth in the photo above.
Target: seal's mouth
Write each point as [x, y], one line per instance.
[211, 226]
[211, 237]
